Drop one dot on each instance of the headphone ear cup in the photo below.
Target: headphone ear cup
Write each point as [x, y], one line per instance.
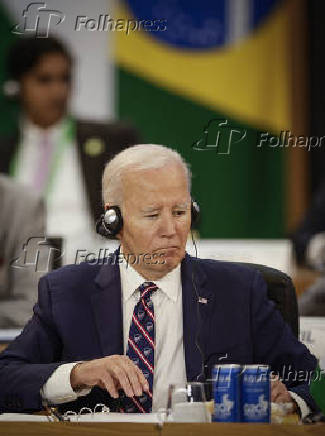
[100, 228]
[110, 223]
[195, 214]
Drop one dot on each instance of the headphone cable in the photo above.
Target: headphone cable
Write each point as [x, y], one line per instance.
[198, 315]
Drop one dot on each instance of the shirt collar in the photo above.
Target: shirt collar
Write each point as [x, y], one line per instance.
[32, 132]
[170, 284]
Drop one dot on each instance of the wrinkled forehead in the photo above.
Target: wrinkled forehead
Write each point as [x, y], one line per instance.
[154, 186]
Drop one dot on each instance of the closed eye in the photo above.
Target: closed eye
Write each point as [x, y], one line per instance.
[179, 212]
[175, 213]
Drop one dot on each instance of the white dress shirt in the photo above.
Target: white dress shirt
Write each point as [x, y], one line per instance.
[169, 364]
[169, 350]
[68, 214]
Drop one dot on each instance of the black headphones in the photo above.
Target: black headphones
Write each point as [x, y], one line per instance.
[111, 222]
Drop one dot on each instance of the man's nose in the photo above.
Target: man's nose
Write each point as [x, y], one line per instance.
[168, 225]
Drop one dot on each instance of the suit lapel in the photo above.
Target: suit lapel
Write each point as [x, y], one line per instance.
[107, 309]
[195, 316]
[92, 165]
[8, 150]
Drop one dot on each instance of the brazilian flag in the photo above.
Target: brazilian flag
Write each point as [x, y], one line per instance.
[206, 70]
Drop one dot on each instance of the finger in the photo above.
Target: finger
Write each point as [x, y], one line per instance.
[275, 383]
[122, 378]
[136, 385]
[275, 397]
[133, 373]
[109, 385]
[101, 384]
[279, 393]
[275, 390]
[143, 381]
[283, 397]
[140, 378]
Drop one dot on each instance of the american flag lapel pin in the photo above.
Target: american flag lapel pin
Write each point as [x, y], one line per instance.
[203, 300]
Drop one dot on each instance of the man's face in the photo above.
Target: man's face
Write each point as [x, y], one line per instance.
[45, 89]
[156, 219]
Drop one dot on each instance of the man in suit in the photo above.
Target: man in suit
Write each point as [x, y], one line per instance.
[56, 155]
[158, 316]
[22, 218]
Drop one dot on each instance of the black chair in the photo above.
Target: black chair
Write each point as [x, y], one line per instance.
[281, 290]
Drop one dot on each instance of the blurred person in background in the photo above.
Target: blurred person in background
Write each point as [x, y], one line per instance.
[309, 246]
[53, 154]
[22, 216]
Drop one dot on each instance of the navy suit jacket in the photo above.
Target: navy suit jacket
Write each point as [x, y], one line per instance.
[79, 317]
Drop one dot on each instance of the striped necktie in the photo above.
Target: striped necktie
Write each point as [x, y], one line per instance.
[141, 346]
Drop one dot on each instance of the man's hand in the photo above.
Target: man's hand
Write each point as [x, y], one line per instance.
[111, 373]
[280, 394]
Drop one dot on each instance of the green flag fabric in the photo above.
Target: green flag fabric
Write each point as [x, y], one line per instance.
[317, 388]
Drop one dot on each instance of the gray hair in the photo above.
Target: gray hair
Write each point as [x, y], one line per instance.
[137, 157]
